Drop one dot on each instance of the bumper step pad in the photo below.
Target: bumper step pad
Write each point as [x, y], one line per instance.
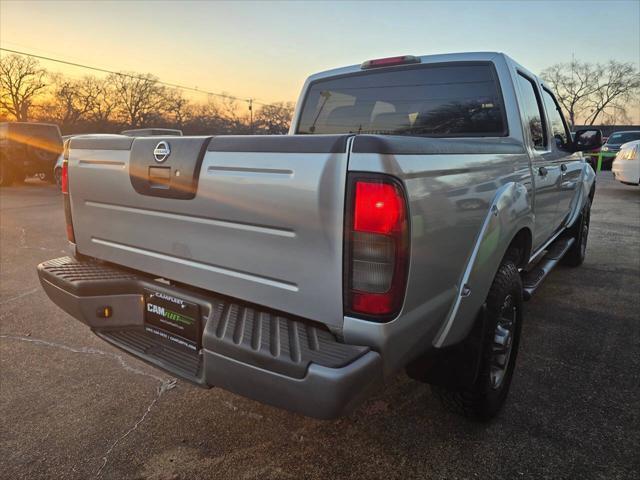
[86, 278]
[157, 352]
[274, 342]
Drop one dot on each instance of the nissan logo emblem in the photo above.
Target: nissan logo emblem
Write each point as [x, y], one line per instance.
[162, 151]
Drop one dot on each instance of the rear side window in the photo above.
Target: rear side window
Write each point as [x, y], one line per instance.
[449, 100]
[532, 111]
[558, 125]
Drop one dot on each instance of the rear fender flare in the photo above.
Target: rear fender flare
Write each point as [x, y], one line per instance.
[510, 212]
[587, 183]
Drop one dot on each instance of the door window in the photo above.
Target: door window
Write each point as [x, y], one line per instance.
[532, 110]
[558, 125]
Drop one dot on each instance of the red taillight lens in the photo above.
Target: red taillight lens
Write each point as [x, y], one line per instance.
[371, 303]
[377, 246]
[65, 176]
[377, 207]
[65, 195]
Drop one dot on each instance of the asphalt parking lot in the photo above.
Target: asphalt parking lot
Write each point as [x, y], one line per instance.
[72, 406]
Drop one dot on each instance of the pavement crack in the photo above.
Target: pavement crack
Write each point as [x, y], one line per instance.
[17, 297]
[88, 351]
[165, 386]
[165, 383]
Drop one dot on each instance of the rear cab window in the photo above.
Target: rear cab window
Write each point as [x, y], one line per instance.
[440, 100]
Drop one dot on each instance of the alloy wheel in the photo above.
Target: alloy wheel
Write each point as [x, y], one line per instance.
[503, 342]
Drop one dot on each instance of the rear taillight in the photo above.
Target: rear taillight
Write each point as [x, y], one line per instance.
[65, 195]
[65, 176]
[376, 250]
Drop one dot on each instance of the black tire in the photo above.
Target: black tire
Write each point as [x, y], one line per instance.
[6, 174]
[57, 175]
[484, 399]
[48, 177]
[580, 231]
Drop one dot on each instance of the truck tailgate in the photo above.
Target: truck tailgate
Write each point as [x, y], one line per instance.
[259, 218]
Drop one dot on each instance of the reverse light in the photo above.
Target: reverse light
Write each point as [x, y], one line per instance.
[376, 249]
[389, 62]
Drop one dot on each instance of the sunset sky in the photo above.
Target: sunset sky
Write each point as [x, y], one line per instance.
[266, 49]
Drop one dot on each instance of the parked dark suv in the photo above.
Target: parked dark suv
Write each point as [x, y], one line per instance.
[28, 149]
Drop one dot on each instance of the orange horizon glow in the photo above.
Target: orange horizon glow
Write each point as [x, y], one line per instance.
[266, 50]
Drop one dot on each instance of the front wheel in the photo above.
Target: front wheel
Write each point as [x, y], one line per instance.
[501, 338]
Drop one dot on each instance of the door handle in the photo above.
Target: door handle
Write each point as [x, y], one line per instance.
[543, 171]
[563, 167]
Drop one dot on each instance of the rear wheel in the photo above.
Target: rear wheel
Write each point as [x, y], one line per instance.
[501, 338]
[48, 177]
[57, 174]
[578, 251]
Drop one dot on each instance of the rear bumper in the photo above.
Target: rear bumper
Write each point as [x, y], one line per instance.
[283, 361]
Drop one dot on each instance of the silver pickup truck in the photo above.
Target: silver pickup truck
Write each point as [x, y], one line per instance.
[415, 204]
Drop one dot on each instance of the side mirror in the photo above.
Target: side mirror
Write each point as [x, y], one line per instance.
[586, 140]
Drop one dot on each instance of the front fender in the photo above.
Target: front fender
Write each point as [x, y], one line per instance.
[510, 212]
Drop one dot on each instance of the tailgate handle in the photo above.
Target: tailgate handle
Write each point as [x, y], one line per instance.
[159, 177]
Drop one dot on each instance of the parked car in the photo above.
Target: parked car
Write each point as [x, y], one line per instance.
[302, 270]
[612, 146]
[28, 149]
[626, 165]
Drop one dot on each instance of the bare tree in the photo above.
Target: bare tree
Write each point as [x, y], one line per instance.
[21, 81]
[176, 107]
[619, 85]
[207, 118]
[572, 83]
[275, 118]
[230, 112]
[587, 91]
[138, 97]
[104, 104]
[73, 100]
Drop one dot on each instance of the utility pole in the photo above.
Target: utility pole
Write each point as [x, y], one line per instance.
[251, 115]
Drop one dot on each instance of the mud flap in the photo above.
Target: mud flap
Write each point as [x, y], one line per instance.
[456, 366]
